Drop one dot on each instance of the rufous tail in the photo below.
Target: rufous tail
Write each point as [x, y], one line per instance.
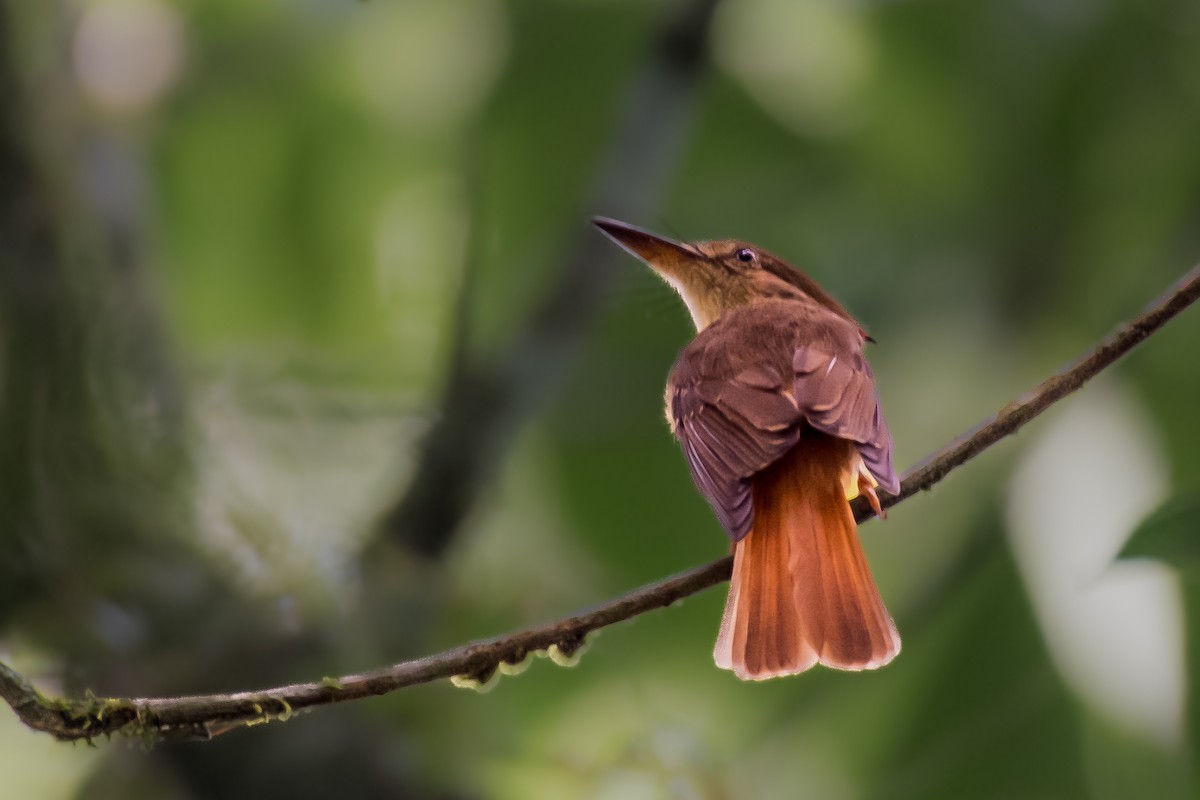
[801, 592]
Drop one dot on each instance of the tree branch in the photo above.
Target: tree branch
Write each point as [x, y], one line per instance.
[205, 716]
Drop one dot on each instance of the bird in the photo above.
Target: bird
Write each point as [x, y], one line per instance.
[779, 419]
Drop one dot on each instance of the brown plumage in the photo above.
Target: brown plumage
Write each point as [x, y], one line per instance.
[776, 410]
[800, 581]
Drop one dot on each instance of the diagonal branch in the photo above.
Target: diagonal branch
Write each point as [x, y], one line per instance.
[205, 716]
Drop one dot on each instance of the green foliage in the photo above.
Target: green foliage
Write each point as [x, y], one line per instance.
[988, 186]
[1170, 534]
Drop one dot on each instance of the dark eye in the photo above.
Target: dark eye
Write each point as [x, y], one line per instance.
[746, 255]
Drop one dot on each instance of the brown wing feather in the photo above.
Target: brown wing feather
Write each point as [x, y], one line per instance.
[729, 432]
[838, 396]
[742, 392]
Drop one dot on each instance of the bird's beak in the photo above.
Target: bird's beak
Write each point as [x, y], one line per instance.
[668, 258]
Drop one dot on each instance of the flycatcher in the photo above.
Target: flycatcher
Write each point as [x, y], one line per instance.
[777, 413]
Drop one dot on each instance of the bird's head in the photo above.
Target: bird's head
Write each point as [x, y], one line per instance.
[718, 276]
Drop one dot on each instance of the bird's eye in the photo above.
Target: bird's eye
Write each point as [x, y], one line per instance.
[746, 255]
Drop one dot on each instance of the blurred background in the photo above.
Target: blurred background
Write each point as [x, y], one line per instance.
[309, 362]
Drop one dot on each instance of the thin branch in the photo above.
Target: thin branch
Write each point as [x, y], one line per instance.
[1020, 411]
[205, 716]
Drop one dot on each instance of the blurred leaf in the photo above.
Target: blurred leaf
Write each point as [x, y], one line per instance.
[981, 704]
[1171, 533]
[1191, 602]
[1120, 765]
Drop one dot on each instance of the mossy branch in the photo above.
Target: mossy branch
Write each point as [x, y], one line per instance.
[205, 716]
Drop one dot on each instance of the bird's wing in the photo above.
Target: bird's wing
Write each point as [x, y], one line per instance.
[837, 395]
[736, 409]
[731, 428]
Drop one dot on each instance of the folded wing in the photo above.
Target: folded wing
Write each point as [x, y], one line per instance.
[736, 411]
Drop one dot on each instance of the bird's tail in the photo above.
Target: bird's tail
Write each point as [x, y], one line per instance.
[801, 592]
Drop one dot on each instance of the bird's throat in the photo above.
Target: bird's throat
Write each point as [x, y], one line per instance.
[699, 304]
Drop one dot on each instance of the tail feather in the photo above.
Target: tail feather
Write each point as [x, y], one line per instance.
[801, 591]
